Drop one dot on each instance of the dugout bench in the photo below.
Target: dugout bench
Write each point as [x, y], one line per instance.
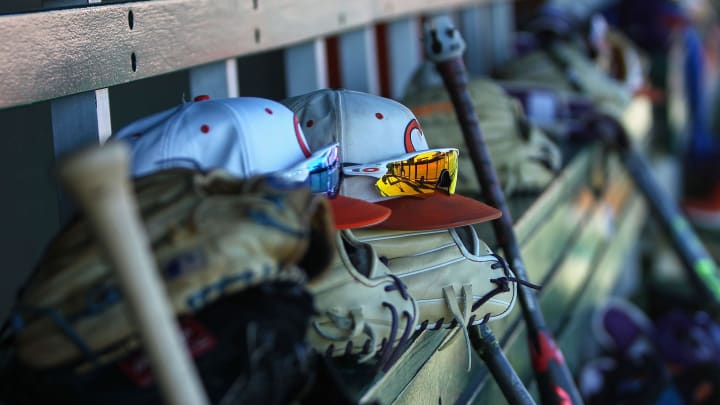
[73, 71]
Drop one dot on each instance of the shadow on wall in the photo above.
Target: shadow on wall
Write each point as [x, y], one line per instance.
[262, 75]
[132, 101]
[259, 75]
[29, 204]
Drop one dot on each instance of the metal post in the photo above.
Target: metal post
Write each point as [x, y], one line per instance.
[306, 67]
[78, 120]
[217, 80]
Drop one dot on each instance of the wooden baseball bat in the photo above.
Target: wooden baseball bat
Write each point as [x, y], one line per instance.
[444, 46]
[481, 336]
[98, 178]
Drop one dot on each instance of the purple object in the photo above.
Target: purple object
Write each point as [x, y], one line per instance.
[648, 23]
[688, 339]
[622, 328]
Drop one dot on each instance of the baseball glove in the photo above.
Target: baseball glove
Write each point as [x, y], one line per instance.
[453, 275]
[363, 311]
[564, 67]
[524, 157]
[234, 256]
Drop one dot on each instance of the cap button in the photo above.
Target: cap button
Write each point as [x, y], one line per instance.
[202, 97]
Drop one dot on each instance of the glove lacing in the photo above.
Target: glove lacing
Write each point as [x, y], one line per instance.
[463, 318]
[356, 325]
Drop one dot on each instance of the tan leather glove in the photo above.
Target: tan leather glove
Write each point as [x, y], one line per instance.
[212, 235]
[452, 274]
[363, 310]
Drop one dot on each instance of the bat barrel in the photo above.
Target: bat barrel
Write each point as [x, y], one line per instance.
[98, 178]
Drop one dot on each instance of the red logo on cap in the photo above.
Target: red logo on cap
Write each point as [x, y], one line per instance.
[412, 125]
[301, 138]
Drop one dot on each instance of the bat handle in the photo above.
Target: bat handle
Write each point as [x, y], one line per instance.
[444, 46]
[506, 378]
[98, 177]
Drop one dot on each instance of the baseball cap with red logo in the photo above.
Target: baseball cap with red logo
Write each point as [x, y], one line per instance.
[245, 136]
[379, 134]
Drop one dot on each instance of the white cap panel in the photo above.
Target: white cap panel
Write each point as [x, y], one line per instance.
[244, 136]
[369, 129]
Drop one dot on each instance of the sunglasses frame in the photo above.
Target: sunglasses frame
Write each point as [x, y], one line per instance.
[324, 159]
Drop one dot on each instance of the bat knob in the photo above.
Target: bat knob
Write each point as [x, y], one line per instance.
[442, 41]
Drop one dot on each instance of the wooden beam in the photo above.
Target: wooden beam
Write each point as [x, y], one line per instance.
[80, 49]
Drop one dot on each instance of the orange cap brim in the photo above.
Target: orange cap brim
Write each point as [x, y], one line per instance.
[350, 213]
[438, 211]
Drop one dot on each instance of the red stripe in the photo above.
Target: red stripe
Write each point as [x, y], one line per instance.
[332, 51]
[544, 352]
[300, 138]
[381, 44]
